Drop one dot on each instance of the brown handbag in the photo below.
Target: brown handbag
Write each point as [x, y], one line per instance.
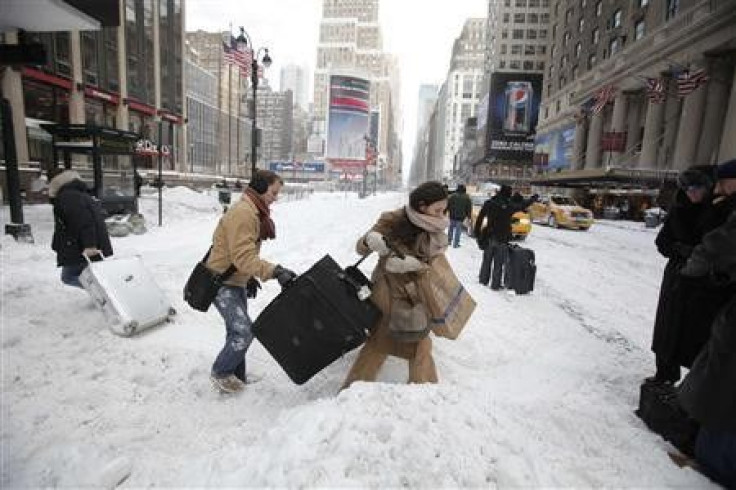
[408, 319]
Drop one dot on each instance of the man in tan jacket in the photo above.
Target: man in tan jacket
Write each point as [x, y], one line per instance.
[237, 241]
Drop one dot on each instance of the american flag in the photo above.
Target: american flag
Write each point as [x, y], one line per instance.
[602, 97]
[234, 56]
[655, 90]
[688, 81]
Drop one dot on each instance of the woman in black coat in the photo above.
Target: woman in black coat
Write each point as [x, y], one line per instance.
[682, 230]
[79, 228]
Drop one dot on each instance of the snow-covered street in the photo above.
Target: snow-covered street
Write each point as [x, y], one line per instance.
[538, 391]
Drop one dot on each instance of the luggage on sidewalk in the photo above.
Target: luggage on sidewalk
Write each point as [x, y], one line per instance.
[322, 315]
[522, 269]
[127, 294]
[660, 410]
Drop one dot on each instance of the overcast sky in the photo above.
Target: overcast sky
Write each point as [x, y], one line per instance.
[419, 32]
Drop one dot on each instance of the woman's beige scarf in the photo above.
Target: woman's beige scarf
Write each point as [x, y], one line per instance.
[436, 229]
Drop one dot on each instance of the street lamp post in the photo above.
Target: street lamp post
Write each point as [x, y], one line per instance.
[243, 43]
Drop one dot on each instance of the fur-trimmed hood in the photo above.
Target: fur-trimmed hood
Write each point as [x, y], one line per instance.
[61, 180]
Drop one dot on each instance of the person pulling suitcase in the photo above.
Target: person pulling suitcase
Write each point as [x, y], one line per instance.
[238, 236]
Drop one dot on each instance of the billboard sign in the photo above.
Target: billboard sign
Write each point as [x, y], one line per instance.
[513, 111]
[349, 117]
[554, 149]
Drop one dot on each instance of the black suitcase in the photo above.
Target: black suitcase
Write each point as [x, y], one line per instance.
[660, 410]
[522, 269]
[317, 319]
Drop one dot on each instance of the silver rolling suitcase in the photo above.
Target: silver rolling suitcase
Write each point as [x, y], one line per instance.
[127, 294]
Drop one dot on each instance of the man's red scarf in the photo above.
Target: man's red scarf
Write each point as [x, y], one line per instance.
[268, 228]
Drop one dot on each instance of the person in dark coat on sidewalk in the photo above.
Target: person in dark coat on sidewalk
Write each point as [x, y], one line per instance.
[494, 238]
[79, 228]
[459, 208]
[682, 230]
[708, 392]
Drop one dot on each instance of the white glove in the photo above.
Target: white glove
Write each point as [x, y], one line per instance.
[377, 243]
[407, 264]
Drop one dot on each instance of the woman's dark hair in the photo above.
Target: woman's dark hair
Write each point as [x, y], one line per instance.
[426, 194]
[404, 231]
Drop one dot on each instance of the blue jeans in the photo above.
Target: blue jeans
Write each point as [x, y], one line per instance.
[716, 452]
[233, 307]
[496, 254]
[454, 232]
[70, 274]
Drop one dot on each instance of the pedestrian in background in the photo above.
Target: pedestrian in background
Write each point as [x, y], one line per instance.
[459, 209]
[494, 237]
[79, 228]
[417, 233]
[237, 241]
[682, 230]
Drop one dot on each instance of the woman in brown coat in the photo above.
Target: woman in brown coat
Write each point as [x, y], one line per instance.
[406, 240]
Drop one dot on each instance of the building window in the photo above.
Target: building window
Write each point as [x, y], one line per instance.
[544, 18]
[504, 34]
[507, 3]
[506, 18]
[62, 50]
[502, 64]
[468, 88]
[617, 18]
[614, 46]
[519, 18]
[554, 32]
[532, 18]
[540, 66]
[533, 3]
[565, 38]
[545, 4]
[503, 49]
[552, 51]
[639, 30]
[582, 4]
[578, 48]
[595, 36]
[531, 34]
[528, 65]
[581, 25]
[599, 8]
[574, 72]
[563, 61]
[542, 49]
[516, 49]
[591, 61]
[515, 64]
[568, 16]
[518, 34]
[643, 3]
[529, 50]
[521, 3]
[543, 34]
[672, 8]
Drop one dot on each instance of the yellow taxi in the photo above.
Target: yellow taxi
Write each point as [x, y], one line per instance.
[521, 224]
[561, 211]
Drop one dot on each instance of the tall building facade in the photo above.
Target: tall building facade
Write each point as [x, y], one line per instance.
[295, 78]
[203, 118]
[119, 77]
[275, 120]
[350, 41]
[426, 103]
[233, 128]
[461, 93]
[518, 35]
[604, 57]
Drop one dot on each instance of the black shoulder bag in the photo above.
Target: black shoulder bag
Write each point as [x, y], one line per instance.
[203, 284]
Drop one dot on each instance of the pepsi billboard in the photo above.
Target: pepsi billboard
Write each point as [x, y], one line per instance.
[513, 113]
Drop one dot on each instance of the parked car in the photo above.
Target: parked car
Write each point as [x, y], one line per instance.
[561, 211]
[521, 224]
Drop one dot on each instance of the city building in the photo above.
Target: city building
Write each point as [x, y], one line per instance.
[203, 117]
[350, 42]
[295, 78]
[518, 35]
[635, 89]
[425, 105]
[233, 128]
[458, 99]
[117, 77]
[275, 120]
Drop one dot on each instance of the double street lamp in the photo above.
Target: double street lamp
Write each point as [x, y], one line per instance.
[244, 43]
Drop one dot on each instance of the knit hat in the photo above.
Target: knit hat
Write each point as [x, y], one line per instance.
[727, 170]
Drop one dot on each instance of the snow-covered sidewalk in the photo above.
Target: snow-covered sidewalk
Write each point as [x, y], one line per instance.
[538, 391]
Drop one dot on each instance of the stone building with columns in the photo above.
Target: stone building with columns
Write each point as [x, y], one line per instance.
[620, 44]
[118, 77]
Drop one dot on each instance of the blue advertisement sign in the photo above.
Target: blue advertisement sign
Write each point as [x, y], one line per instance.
[310, 167]
[554, 149]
